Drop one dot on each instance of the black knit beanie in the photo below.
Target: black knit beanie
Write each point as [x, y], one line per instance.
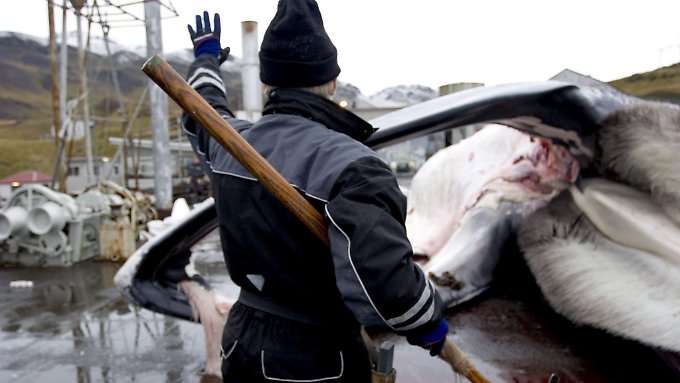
[296, 52]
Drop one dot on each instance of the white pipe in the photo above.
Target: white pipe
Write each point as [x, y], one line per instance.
[252, 87]
[12, 221]
[46, 218]
[26, 192]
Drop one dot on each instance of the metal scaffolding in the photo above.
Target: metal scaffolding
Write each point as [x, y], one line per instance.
[111, 14]
[118, 14]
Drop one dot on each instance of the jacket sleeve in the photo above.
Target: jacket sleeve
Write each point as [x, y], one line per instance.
[204, 76]
[378, 280]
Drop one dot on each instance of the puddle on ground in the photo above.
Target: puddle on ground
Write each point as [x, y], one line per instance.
[74, 326]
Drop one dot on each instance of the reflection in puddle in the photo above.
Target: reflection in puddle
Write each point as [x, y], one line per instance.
[74, 326]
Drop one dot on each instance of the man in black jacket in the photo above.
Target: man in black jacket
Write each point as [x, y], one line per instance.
[301, 306]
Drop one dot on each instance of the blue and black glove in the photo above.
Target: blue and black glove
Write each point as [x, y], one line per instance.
[207, 40]
[432, 339]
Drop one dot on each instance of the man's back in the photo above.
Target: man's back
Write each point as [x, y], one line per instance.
[269, 253]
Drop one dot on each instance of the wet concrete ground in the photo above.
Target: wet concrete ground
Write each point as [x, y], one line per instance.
[73, 326]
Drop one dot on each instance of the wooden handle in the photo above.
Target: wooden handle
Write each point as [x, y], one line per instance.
[452, 355]
[174, 85]
[186, 97]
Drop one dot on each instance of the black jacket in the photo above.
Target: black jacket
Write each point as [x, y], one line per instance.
[368, 274]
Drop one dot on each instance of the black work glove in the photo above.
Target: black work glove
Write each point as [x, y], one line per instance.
[206, 40]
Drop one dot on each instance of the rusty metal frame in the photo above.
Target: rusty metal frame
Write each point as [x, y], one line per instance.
[126, 18]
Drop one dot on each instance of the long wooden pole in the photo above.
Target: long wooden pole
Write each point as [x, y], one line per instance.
[63, 92]
[196, 106]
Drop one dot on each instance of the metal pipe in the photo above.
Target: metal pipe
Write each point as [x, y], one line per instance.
[85, 106]
[158, 102]
[126, 134]
[119, 96]
[252, 87]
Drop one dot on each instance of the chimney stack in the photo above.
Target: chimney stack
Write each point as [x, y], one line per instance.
[252, 87]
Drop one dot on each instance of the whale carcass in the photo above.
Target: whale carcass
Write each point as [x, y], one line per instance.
[566, 116]
[465, 201]
[605, 252]
[608, 254]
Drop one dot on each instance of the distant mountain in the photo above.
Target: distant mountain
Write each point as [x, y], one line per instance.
[403, 95]
[25, 74]
[392, 97]
[24, 67]
[346, 92]
[25, 97]
[186, 56]
[98, 46]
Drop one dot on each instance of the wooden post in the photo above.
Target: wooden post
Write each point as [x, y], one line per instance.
[63, 62]
[63, 92]
[85, 106]
[56, 110]
[196, 106]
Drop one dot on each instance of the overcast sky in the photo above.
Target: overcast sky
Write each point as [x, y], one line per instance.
[389, 42]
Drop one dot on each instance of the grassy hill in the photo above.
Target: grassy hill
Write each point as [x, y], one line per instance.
[659, 84]
[25, 102]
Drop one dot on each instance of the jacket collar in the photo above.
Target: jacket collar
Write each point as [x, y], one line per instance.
[318, 109]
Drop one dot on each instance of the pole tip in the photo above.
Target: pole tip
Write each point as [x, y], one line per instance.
[153, 61]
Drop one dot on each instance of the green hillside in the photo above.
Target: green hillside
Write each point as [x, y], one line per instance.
[25, 102]
[659, 84]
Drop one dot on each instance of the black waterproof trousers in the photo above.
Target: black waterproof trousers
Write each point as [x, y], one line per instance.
[262, 347]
